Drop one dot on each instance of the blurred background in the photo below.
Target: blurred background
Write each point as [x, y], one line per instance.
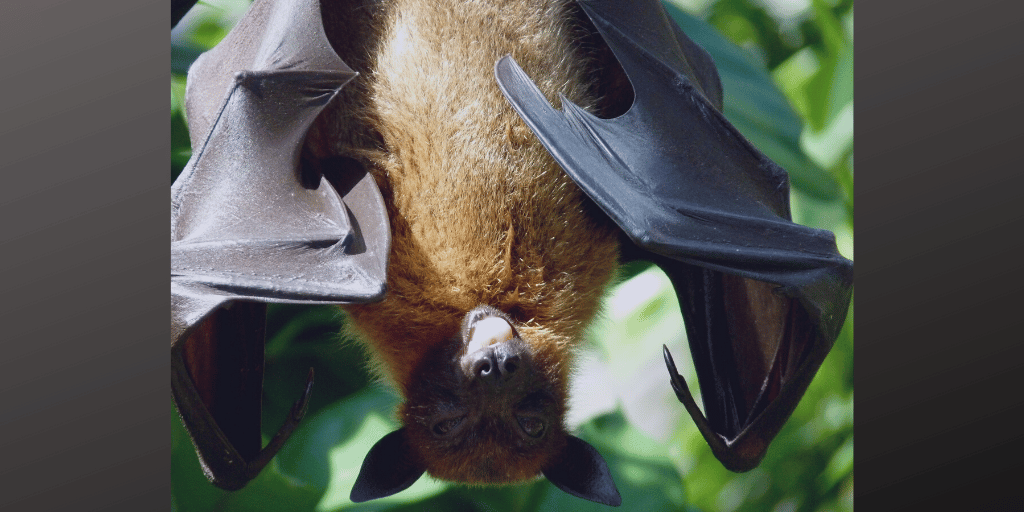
[787, 71]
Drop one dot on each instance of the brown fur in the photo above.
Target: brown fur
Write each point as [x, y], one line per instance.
[480, 213]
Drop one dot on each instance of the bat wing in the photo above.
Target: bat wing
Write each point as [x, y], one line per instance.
[250, 225]
[763, 298]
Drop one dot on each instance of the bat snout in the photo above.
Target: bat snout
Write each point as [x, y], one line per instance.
[494, 353]
[498, 365]
[494, 366]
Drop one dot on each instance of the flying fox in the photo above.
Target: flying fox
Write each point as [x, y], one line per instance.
[406, 159]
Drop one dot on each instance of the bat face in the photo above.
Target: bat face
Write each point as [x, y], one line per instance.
[486, 403]
[485, 407]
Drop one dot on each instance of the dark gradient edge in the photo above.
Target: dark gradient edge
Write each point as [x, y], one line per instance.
[85, 387]
[937, 129]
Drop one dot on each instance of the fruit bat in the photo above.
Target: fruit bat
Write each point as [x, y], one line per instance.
[470, 228]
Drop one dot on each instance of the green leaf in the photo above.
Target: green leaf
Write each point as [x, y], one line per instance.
[831, 89]
[300, 338]
[756, 107]
[181, 149]
[182, 58]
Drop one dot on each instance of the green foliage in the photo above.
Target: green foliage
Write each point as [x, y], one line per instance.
[755, 106]
[798, 110]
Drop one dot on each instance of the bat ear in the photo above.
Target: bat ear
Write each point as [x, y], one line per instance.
[389, 468]
[581, 471]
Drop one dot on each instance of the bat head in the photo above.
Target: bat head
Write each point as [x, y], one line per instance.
[488, 409]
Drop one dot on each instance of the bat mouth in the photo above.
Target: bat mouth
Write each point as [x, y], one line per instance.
[486, 331]
[485, 326]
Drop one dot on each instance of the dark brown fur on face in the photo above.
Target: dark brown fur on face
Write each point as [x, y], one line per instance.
[486, 414]
[480, 215]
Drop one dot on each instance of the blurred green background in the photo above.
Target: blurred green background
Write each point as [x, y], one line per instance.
[787, 70]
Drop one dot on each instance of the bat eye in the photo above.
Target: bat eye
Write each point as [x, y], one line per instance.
[533, 427]
[446, 426]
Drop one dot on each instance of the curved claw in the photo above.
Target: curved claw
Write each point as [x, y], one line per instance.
[684, 396]
[300, 406]
[677, 381]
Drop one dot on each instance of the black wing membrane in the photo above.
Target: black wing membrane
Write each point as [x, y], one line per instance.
[249, 226]
[763, 298]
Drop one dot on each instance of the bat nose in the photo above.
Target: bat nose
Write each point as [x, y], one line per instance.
[493, 352]
[496, 367]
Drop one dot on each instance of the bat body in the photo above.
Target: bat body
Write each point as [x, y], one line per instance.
[505, 221]
[481, 215]
[480, 212]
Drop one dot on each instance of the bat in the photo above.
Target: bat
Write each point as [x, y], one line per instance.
[443, 175]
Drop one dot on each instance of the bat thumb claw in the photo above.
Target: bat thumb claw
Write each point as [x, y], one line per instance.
[679, 384]
[300, 405]
[673, 374]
